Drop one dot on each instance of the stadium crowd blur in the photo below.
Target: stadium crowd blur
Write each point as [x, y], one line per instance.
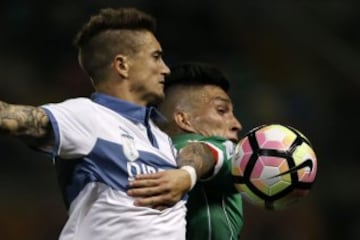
[290, 62]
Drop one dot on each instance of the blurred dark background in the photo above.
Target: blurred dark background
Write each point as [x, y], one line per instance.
[290, 62]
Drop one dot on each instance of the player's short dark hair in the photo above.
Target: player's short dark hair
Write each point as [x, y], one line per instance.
[196, 74]
[110, 32]
[112, 19]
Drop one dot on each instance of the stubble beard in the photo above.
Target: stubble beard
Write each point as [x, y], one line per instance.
[155, 99]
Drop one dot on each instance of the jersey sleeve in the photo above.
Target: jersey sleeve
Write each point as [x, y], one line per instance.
[221, 148]
[73, 126]
[222, 177]
[222, 151]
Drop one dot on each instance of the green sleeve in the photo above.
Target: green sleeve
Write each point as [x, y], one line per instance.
[223, 149]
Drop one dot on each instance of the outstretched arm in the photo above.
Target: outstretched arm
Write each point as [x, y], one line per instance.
[163, 189]
[29, 123]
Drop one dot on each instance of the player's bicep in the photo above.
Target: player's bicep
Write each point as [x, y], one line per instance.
[221, 151]
[199, 156]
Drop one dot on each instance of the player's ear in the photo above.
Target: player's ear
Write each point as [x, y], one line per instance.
[121, 65]
[183, 122]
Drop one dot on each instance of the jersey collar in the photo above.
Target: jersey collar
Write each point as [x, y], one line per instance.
[127, 109]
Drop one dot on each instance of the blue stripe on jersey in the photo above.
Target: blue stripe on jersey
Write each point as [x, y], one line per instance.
[56, 132]
[107, 164]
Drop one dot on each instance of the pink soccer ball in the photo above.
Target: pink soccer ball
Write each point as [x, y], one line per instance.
[274, 166]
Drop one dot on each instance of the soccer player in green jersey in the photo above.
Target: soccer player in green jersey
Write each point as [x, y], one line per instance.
[199, 109]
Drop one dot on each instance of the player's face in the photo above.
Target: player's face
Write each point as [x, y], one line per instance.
[214, 114]
[148, 70]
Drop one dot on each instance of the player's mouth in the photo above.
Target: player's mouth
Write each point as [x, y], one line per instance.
[234, 139]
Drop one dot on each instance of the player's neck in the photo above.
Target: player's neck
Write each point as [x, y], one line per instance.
[120, 91]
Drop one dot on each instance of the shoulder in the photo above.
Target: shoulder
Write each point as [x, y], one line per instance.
[216, 143]
[187, 138]
[72, 102]
[219, 145]
[77, 105]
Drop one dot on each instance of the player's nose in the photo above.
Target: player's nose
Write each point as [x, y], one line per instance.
[235, 128]
[235, 124]
[165, 69]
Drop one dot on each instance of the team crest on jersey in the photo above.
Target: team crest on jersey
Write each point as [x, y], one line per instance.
[129, 148]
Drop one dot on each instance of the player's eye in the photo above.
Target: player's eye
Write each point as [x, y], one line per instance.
[157, 55]
[221, 110]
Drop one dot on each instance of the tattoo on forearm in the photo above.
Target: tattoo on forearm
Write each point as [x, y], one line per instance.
[199, 156]
[23, 120]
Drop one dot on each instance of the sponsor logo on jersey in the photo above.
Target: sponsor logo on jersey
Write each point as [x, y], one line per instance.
[136, 168]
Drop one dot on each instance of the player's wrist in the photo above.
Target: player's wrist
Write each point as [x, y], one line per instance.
[192, 173]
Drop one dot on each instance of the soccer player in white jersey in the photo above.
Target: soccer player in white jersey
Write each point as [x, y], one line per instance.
[101, 143]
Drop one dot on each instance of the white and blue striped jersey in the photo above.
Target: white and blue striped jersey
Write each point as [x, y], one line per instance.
[107, 141]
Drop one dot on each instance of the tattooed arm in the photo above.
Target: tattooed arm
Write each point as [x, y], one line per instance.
[162, 189]
[199, 156]
[29, 123]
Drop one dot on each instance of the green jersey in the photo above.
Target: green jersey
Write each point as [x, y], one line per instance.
[214, 206]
